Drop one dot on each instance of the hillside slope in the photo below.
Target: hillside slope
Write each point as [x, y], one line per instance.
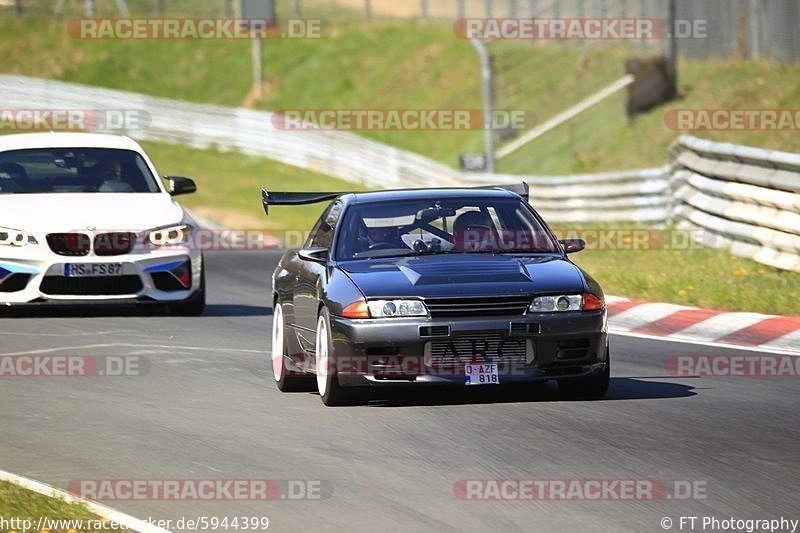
[416, 65]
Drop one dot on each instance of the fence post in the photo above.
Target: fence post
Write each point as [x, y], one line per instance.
[368, 9]
[512, 9]
[296, 8]
[755, 30]
[462, 9]
[488, 100]
[532, 9]
[17, 8]
[90, 8]
[227, 8]
[159, 7]
[488, 4]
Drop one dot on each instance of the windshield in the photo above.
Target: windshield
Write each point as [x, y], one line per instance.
[71, 170]
[462, 225]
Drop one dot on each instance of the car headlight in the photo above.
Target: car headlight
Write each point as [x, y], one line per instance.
[385, 309]
[170, 236]
[566, 302]
[14, 237]
[396, 308]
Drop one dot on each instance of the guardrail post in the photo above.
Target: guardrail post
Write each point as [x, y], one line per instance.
[486, 75]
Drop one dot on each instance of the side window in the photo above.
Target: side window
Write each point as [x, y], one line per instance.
[312, 234]
[322, 236]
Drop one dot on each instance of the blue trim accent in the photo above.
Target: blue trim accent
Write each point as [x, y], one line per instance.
[166, 267]
[18, 269]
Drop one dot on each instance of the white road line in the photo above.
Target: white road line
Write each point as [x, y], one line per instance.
[133, 524]
[787, 342]
[169, 347]
[677, 339]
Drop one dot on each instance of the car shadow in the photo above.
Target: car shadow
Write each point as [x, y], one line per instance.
[622, 388]
[149, 310]
[237, 310]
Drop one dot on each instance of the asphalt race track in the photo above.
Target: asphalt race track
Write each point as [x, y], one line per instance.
[208, 409]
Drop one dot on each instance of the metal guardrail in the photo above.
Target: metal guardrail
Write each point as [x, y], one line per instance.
[334, 153]
[637, 195]
[742, 198]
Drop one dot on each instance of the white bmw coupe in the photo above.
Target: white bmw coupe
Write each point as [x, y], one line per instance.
[85, 218]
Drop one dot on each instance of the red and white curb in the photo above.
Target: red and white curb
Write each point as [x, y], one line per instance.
[127, 521]
[753, 331]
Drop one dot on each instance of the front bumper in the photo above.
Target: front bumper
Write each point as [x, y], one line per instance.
[29, 276]
[389, 352]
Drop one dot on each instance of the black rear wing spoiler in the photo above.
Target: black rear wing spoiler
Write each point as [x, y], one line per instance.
[306, 198]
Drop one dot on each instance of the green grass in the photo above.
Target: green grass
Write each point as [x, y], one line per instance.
[713, 279]
[419, 65]
[19, 503]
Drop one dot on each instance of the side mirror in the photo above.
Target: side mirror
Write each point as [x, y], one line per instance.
[573, 245]
[315, 255]
[179, 185]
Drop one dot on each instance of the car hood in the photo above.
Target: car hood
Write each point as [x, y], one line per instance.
[463, 275]
[79, 211]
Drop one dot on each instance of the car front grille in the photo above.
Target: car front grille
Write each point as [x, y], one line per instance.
[70, 244]
[478, 307]
[477, 348]
[111, 244]
[96, 286]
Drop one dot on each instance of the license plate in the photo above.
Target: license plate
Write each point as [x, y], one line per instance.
[92, 270]
[481, 374]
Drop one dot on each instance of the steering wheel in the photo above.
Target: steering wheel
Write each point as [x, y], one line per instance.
[382, 246]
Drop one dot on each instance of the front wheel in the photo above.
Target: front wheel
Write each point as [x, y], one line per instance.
[283, 379]
[592, 386]
[330, 391]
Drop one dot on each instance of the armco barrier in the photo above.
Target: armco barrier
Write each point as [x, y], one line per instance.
[742, 198]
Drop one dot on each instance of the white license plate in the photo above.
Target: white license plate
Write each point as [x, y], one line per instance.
[481, 374]
[92, 270]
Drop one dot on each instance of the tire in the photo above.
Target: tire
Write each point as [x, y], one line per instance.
[592, 386]
[331, 392]
[283, 380]
[196, 304]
